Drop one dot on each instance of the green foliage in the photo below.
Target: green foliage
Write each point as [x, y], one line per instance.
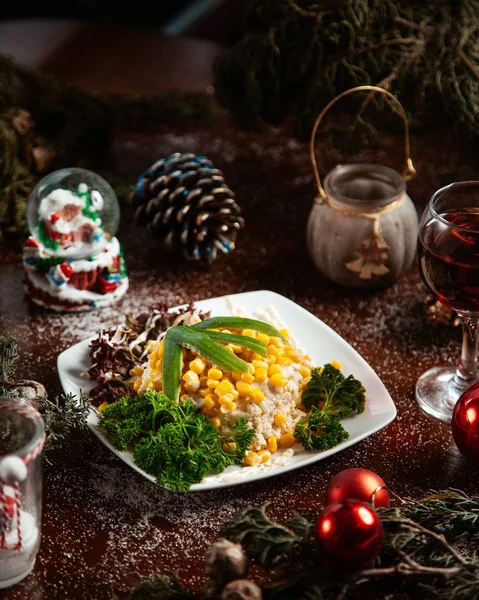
[161, 587]
[8, 356]
[63, 416]
[338, 394]
[207, 344]
[77, 125]
[330, 397]
[296, 55]
[320, 431]
[172, 440]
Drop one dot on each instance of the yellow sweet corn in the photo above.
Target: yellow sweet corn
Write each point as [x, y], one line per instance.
[278, 380]
[279, 420]
[252, 459]
[215, 422]
[211, 400]
[243, 388]
[225, 387]
[263, 337]
[227, 407]
[261, 374]
[102, 406]
[198, 365]
[336, 364]
[137, 370]
[257, 395]
[247, 377]
[215, 373]
[272, 443]
[287, 440]
[249, 333]
[274, 369]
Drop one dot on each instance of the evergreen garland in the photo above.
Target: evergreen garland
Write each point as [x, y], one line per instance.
[296, 55]
[47, 123]
[430, 550]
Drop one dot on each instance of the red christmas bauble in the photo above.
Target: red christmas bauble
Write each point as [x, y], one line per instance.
[357, 484]
[465, 423]
[350, 532]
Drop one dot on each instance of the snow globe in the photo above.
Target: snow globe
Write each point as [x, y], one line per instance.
[72, 260]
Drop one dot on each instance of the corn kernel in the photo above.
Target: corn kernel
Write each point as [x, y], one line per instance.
[137, 370]
[277, 341]
[274, 369]
[226, 398]
[274, 351]
[270, 359]
[149, 384]
[225, 331]
[215, 373]
[157, 386]
[234, 347]
[137, 384]
[284, 332]
[287, 440]
[272, 443]
[259, 363]
[225, 387]
[293, 355]
[229, 447]
[247, 377]
[191, 388]
[263, 337]
[227, 407]
[212, 383]
[243, 388]
[279, 420]
[278, 380]
[102, 406]
[198, 365]
[251, 368]
[249, 333]
[304, 371]
[203, 381]
[261, 374]
[257, 395]
[336, 365]
[184, 397]
[191, 380]
[284, 360]
[204, 392]
[236, 375]
[215, 422]
[211, 400]
[265, 455]
[161, 348]
[252, 459]
[153, 358]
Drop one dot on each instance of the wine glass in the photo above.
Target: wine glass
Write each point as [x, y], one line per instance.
[448, 256]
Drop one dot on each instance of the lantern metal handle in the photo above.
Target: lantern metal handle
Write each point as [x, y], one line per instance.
[409, 171]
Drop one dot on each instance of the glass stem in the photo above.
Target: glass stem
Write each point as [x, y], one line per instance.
[466, 373]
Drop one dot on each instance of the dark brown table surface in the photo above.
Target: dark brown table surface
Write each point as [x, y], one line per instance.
[103, 524]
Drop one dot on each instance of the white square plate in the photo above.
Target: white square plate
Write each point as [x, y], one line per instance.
[319, 341]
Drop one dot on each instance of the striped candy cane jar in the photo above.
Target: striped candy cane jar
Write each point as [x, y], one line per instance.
[22, 436]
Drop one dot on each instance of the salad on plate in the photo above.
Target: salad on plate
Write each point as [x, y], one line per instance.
[190, 395]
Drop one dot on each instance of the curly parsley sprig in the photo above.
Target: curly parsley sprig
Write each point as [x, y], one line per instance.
[330, 397]
[172, 440]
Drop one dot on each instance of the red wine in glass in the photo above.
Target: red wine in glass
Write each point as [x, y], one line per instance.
[448, 254]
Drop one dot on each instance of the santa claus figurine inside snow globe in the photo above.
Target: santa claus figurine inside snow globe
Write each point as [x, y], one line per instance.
[72, 260]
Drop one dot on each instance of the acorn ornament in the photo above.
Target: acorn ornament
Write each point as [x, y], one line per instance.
[185, 203]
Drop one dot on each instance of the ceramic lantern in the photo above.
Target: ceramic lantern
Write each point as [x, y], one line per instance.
[362, 229]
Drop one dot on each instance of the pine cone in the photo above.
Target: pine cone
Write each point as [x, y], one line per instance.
[184, 201]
